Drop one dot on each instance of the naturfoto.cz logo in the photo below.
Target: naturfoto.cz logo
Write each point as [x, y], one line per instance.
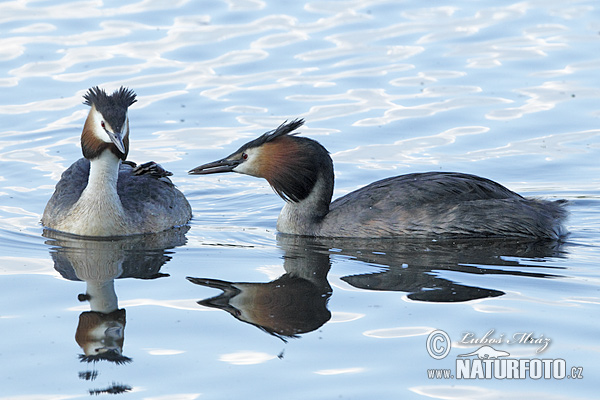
[487, 362]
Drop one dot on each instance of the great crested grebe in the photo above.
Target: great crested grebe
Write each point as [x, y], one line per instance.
[300, 170]
[101, 196]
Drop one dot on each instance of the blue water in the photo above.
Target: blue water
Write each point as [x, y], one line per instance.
[507, 92]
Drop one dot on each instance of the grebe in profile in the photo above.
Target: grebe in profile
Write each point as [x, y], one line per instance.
[300, 170]
[99, 195]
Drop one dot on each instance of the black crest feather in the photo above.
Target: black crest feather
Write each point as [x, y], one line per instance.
[285, 128]
[114, 111]
[112, 107]
[111, 356]
[307, 160]
[121, 98]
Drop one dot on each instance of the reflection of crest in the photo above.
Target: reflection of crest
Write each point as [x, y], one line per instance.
[296, 302]
[285, 307]
[112, 389]
[101, 336]
[98, 262]
[293, 304]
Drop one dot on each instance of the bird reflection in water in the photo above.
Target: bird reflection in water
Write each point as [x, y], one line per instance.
[296, 302]
[293, 304]
[98, 262]
[418, 267]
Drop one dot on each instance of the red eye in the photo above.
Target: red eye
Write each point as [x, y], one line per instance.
[244, 156]
[102, 123]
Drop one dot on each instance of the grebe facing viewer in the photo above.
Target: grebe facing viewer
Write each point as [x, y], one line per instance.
[300, 170]
[101, 196]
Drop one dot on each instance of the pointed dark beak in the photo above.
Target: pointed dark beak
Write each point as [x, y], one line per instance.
[117, 136]
[215, 167]
[117, 139]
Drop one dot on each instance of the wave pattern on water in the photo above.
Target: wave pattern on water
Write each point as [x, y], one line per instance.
[507, 91]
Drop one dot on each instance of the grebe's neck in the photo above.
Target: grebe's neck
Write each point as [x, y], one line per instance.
[304, 217]
[102, 296]
[104, 173]
[99, 211]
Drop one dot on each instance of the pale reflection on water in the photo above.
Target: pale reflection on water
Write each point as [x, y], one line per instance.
[507, 91]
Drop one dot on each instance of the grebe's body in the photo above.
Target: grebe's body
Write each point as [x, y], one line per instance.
[99, 195]
[300, 170]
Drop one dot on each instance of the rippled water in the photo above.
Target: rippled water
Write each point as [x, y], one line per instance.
[507, 92]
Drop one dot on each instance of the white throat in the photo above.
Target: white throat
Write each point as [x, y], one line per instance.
[306, 216]
[102, 296]
[104, 173]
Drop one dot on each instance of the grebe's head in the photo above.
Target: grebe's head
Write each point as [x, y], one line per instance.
[107, 124]
[291, 164]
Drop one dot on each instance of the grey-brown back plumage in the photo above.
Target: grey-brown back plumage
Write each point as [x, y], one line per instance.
[444, 203]
[144, 197]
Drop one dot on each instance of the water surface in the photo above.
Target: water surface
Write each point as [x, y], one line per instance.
[507, 92]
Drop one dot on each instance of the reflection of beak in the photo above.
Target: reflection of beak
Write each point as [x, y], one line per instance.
[117, 139]
[221, 301]
[225, 286]
[224, 165]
